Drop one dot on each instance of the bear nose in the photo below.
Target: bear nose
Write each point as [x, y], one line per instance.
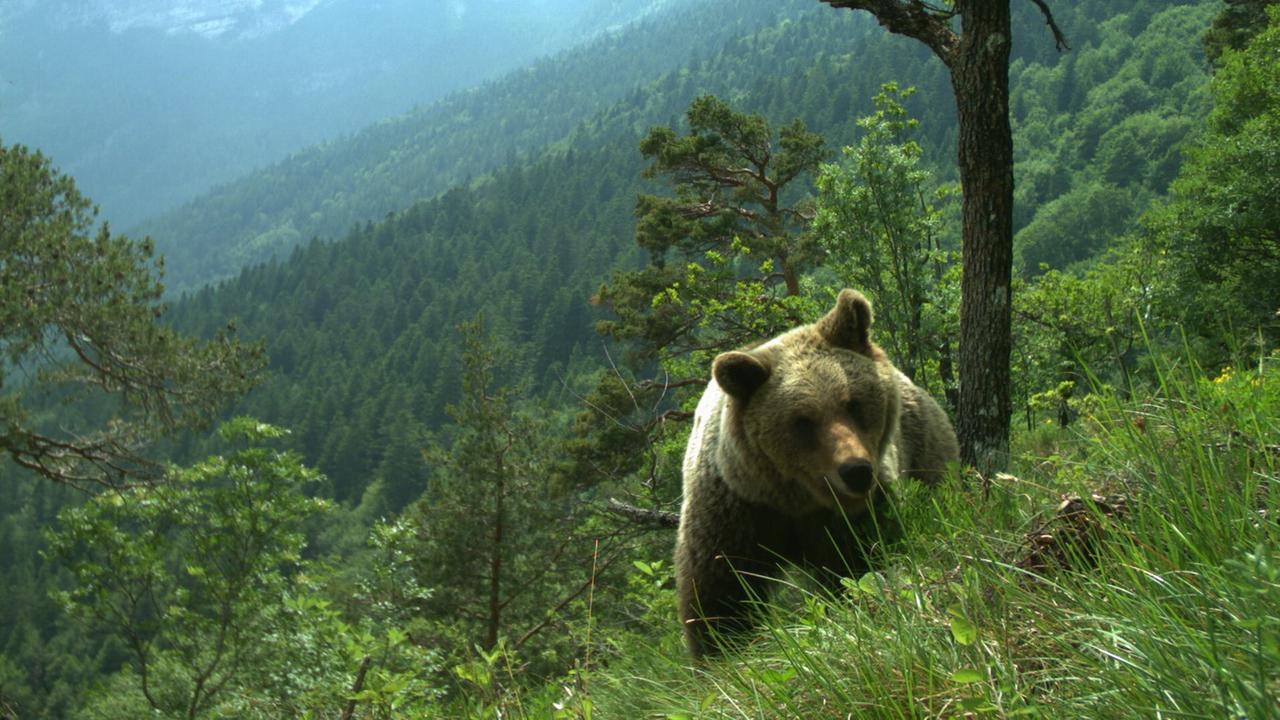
[857, 475]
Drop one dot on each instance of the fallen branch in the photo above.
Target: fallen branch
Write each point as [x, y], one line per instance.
[1071, 537]
[1273, 449]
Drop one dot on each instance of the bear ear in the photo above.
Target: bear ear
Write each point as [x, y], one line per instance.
[848, 325]
[739, 373]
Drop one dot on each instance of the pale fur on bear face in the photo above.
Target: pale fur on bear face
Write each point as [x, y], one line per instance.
[814, 413]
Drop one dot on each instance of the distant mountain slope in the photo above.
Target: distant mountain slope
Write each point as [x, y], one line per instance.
[151, 102]
[361, 330]
[324, 190]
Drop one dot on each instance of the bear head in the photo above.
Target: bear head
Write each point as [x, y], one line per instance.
[811, 417]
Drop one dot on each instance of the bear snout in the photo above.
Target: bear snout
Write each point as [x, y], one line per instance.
[858, 475]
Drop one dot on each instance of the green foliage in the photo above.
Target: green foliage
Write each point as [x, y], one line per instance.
[1200, 263]
[1219, 229]
[1076, 329]
[184, 571]
[1165, 607]
[78, 320]
[1234, 26]
[364, 361]
[1076, 226]
[202, 579]
[360, 328]
[493, 537]
[880, 222]
[1097, 136]
[730, 210]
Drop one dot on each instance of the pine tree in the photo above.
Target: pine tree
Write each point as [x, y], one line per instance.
[78, 321]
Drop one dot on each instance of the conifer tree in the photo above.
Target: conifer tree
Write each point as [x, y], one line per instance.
[490, 527]
[79, 310]
[734, 225]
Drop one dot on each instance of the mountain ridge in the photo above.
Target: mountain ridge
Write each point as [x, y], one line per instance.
[324, 190]
[154, 113]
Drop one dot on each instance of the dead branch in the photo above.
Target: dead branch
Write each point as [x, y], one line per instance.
[107, 459]
[1072, 536]
[1273, 449]
[674, 415]
[648, 517]
[668, 385]
[1059, 39]
[912, 18]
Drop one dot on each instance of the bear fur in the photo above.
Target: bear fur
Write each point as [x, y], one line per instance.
[793, 446]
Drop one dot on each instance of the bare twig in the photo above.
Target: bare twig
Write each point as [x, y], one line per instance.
[1059, 39]
[668, 385]
[1273, 449]
[673, 415]
[650, 517]
[598, 566]
[618, 373]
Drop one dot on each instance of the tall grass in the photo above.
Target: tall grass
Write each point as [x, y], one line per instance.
[1162, 600]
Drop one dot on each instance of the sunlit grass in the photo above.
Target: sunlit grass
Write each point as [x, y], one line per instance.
[1163, 601]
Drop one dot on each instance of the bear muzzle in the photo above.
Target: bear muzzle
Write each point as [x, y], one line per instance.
[850, 483]
[858, 476]
[851, 476]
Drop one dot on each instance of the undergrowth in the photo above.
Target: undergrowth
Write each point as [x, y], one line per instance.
[1130, 567]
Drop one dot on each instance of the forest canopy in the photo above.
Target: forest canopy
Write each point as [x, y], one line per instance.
[450, 441]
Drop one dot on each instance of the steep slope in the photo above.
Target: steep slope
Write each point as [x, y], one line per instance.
[324, 190]
[150, 102]
[361, 330]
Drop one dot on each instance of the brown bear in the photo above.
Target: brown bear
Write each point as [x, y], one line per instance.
[793, 445]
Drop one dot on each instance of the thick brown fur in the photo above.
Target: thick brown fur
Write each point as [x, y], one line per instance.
[794, 443]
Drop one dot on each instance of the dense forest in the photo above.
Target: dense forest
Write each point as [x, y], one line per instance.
[438, 146]
[408, 444]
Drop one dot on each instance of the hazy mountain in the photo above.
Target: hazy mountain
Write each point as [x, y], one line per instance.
[211, 18]
[325, 189]
[150, 102]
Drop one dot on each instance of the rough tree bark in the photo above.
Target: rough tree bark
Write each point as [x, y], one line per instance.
[978, 60]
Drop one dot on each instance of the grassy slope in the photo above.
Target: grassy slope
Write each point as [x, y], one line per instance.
[992, 609]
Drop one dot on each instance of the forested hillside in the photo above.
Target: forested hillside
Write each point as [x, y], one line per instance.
[351, 320]
[429, 295]
[324, 190]
[149, 103]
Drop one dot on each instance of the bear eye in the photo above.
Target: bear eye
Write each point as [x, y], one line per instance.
[804, 426]
[854, 408]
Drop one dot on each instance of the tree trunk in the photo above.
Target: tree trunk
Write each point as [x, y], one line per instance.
[978, 58]
[980, 79]
[495, 561]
